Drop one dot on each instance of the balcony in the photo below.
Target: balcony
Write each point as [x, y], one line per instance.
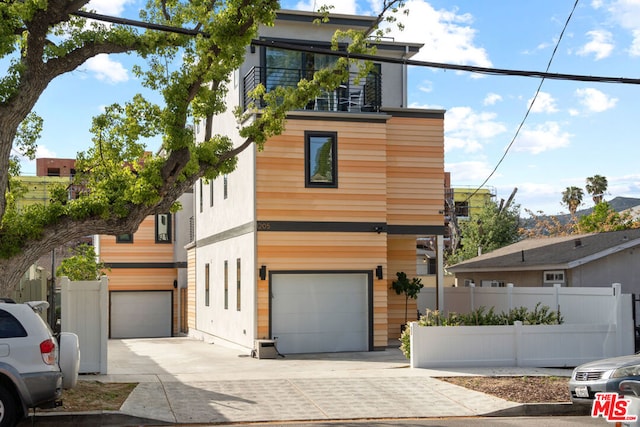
[356, 95]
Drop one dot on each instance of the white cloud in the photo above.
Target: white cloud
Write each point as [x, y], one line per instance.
[106, 69]
[544, 137]
[339, 6]
[447, 35]
[470, 171]
[544, 103]
[601, 44]
[464, 129]
[108, 7]
[626, 13]
[634, 49]
[491, 99]
[594, 100]
[426, 86]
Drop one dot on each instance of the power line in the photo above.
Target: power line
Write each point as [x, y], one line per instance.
[533, 100]
[365, 57]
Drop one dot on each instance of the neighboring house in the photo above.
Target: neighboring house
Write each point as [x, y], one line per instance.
[586, 260]
[148, 275]
[147, 269]
[301, 241]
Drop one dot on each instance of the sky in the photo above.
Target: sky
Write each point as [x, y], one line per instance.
[573, 130]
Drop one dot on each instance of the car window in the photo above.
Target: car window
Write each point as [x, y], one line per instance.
[10, 327]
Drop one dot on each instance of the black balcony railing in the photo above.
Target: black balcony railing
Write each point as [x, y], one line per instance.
[358, 94]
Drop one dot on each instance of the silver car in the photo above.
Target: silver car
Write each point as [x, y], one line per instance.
[34, 366]
[602, 376]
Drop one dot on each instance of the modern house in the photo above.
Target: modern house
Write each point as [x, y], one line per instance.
[301, 242]
[586, 260]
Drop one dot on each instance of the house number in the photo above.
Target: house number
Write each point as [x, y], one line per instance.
[264, 226]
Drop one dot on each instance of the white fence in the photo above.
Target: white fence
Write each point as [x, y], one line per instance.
[598, 324]
[576, 305]
[84, 311]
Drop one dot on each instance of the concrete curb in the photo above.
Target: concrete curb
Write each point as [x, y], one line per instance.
[119, 419]
[542, 410]
[94, 418]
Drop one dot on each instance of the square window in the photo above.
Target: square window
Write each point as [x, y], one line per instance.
[320, 152]
[163, 228]
[124, 238]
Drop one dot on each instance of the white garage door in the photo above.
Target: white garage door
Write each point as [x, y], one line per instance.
[140, 314]
[320, 313]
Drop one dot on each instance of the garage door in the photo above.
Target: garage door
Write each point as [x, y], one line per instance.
[319, 313]
[140, 314]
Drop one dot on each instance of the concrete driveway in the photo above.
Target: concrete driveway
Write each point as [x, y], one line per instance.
[182, 380]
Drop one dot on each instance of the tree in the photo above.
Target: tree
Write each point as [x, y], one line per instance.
[541, 225]
[572, 198]
[408, 288]
[489, 229]
[122, 182]
[605, 218]
[84, 265]
[596, 187]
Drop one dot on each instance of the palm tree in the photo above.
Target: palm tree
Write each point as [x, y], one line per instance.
[572, 198]
[596, 186]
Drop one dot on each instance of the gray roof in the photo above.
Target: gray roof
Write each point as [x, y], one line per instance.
[564, 252]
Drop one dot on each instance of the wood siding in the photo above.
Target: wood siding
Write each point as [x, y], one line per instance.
[361, 194]
[389, 173]
[415, 171]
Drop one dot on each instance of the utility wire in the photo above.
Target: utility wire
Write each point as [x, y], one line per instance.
[365, 57]
[515, 136]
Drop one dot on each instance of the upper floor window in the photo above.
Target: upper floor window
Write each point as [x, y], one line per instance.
[462, 208]
[124, 238]
[163, 228]
[286, 67]
[225, 187]
[320, 152]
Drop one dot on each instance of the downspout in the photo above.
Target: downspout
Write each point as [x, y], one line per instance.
[405, 102]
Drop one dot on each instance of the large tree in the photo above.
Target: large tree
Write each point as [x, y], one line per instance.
[122, 183]
[596, 187]
[490, 228]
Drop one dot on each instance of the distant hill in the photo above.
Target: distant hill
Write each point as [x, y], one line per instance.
[618, 204]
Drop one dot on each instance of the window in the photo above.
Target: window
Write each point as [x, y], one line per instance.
[556, 276]
[462, 208]
[226, 285]
[210, 193]
[321, 159]
[286, 67]
[124, 238]
[206, 285]
[238, 293]
[225, 185]
[201, 196]
[163, 228]
[10, 327]
[53, 171]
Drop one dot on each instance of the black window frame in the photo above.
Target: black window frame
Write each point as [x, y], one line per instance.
[124, 238]
[308, 136]
[169, 237]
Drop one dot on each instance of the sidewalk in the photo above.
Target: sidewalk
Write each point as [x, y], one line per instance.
[187, 381]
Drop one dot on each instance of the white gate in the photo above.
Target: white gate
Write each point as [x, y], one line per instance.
[84, 311]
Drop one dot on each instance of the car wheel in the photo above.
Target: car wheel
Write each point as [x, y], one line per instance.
[8, 409]
[69, 359]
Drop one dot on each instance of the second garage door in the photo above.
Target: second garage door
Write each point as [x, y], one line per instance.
[320, 313]
[140, 314]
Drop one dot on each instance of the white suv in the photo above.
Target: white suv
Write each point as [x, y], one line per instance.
[34, 367]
